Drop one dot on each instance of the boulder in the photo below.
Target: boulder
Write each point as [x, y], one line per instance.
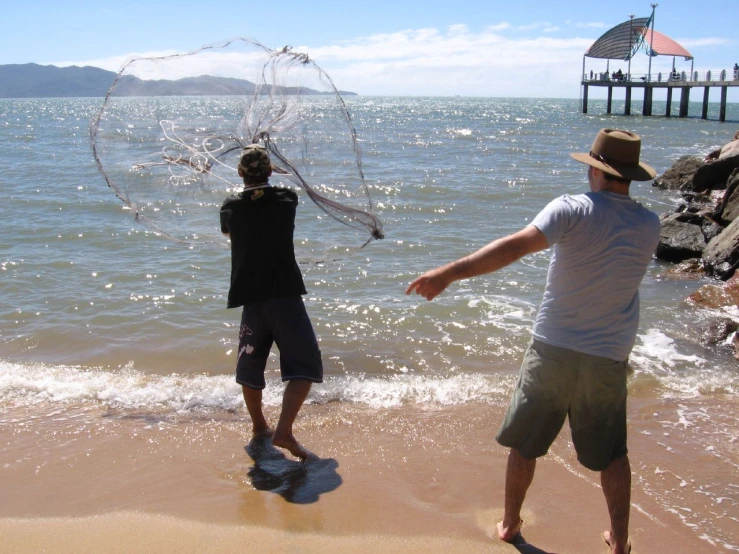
[717, 296]
[717, 330]
[684, 215]
[680, 237]
[680, 175]
[721, 254]
[711, 230]
[728, 150]
[728, 210]
[698, 203]
[691, 269]
[713, 175]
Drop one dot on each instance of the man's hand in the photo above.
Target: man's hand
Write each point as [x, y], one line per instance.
[492, 257]
[430, 284]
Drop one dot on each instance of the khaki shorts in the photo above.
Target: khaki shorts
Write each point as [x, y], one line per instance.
[554, 383]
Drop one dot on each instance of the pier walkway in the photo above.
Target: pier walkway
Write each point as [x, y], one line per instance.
[721, 79]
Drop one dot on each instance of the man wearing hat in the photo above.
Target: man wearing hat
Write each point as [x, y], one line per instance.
[266, 282]
[575, 364]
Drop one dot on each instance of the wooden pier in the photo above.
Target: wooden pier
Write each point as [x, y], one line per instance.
[681, 82]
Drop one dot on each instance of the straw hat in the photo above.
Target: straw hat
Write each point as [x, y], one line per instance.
[617, 152]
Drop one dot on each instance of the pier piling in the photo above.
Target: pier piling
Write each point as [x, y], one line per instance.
[704, 113]
[684, 101]
[681, 82]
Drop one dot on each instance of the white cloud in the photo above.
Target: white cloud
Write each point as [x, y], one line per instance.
[238, 58]
[499, 27]
[532, 26]
[456, 30]
[428, 61]
[114, 63]
[411, 62]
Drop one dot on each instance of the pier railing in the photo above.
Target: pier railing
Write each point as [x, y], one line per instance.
[672, 81]
[710, 75]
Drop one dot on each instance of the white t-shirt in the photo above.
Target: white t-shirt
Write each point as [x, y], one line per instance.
[603, 243]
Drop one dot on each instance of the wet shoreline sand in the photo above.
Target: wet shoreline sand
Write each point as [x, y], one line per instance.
[82, 479]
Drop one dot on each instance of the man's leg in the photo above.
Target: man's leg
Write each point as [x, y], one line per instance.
[519, 474]
[253, 399]
[296, 392]
[616, 483]
[255, 342]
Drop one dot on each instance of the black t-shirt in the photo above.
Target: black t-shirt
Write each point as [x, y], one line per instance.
[261, 224]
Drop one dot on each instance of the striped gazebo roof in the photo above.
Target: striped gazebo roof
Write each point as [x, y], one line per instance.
[625, 39]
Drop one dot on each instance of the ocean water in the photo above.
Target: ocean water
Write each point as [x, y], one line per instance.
[96, 311]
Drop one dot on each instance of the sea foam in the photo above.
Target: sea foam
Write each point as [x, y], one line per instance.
[129, 388]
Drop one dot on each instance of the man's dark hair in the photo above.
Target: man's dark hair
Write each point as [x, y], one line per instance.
[252, 180]
[254, 165]
[610, 177]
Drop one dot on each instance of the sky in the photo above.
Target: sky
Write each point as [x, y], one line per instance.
[511, 48]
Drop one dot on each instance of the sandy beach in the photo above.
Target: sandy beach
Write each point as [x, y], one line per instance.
[403, 480]
[121, 427]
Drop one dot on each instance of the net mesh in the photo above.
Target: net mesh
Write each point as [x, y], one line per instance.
[171, 129]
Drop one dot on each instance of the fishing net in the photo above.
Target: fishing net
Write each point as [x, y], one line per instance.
[171, 129]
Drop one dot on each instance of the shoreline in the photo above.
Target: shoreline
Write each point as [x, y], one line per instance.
[403, 480]
[135, 532]
[118, 399]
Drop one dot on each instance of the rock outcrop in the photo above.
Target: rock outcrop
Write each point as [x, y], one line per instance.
[728, 209]
[721, 255]
[703, 232]
[680, 238]
[680, 175]
[693, 173]
[714, 175]
[705, 224]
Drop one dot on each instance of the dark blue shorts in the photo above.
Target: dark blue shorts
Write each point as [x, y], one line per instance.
[285, 322]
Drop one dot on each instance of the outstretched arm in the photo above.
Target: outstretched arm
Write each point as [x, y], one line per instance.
[489, 258]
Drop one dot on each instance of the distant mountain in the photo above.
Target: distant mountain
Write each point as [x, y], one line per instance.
[48, 81]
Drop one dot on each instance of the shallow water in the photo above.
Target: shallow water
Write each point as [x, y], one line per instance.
[99, 314]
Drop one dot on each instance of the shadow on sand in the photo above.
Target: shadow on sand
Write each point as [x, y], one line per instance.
[297, 482]
[520, 544]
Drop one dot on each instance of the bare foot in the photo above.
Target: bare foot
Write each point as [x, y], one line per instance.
[509, 533]
[614, 550]
[260, 448]
[262, 432]
[293, 446]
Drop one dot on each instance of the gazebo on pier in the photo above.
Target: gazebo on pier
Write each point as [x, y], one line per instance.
[623, 42]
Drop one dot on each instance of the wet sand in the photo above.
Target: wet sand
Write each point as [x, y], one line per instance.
[84, 479]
